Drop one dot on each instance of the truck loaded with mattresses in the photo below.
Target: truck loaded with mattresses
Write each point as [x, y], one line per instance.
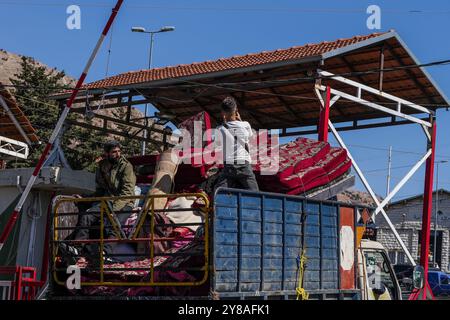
[248, 245]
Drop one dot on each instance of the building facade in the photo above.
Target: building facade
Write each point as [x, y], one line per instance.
[406, 215]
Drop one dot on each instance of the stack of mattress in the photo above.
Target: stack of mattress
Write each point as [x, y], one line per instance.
[304, 164]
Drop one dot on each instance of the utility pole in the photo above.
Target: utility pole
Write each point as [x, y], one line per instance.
[144, 143]
[151, 33]
[388, 182]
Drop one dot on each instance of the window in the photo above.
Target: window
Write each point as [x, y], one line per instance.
[401, 258]
[379, 273]
[444, 279]
[393, 257]
[432, 277]
[397, 257]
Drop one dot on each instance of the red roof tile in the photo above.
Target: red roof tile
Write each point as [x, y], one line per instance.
[265, 57]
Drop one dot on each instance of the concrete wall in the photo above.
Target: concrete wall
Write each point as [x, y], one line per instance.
[407, 219]
[34, 213]
[412, 211]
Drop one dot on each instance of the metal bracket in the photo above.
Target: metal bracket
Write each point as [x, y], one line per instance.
[13, 148]
[397, 113]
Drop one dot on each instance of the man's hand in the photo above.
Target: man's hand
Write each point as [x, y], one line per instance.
[238, 116]
[78, 196]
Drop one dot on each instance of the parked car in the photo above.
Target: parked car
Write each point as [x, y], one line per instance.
[439, 282]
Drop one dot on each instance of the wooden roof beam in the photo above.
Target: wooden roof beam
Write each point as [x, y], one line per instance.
[286, 104]
[411, 74]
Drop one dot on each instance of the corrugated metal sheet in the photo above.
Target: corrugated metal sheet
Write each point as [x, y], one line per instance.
[258, 238]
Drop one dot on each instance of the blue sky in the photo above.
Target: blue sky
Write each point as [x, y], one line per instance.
[207, 30]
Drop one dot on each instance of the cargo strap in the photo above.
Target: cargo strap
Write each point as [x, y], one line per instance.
[301, 263]
[301, 292]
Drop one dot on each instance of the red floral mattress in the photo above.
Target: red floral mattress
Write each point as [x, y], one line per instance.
[304, 164]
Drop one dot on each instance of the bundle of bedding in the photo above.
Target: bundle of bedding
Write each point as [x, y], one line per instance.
[303, 164]
[176, 265]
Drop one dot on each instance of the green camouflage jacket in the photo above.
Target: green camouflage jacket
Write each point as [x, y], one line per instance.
[115, 181]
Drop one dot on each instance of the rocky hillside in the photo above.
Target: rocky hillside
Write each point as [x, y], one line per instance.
[10, 65]
[353, 196]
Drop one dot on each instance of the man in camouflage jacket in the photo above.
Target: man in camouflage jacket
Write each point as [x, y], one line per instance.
[114, 178]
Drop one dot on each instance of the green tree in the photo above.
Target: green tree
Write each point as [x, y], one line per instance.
[33, 84]
[130, 146]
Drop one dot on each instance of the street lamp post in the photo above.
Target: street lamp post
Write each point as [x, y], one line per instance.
[436, 209]
[151, 33]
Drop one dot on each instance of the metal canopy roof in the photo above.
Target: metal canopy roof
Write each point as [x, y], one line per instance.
[10, 120]
[275, 89]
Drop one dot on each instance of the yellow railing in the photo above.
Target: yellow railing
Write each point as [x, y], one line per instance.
[148, 209]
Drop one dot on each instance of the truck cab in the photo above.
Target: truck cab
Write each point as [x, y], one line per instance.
[377, 278]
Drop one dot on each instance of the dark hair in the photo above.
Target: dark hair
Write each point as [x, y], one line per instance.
[108, 146]
[229, 104]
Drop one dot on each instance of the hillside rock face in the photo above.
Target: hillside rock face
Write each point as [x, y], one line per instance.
[10, 65]
[356, 197]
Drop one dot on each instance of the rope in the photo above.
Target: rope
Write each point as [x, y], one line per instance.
[108, 62]
[301, 261]
[301, 292]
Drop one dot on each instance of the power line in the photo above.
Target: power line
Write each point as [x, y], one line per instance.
[231, 9]
[225, 85]
[351, 145]
[392, 168]
[46, 113]
[364, 159]
[411, 179]
[368, 172]
[231, 85]
[394, 150]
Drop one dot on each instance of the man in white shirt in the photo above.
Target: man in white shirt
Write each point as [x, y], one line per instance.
[234, 139]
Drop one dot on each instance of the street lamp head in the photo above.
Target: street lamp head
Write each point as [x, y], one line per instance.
[138, 29]
[167, 29]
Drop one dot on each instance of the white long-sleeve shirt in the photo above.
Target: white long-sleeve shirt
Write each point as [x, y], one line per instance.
[233, 141]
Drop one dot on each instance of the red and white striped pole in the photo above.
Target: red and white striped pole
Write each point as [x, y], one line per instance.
[12, 220]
